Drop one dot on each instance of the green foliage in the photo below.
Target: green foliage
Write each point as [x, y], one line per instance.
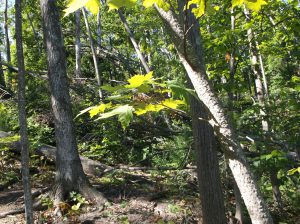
[78, 199]
[138, 101]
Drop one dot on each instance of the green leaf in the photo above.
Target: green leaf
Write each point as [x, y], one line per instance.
[160, 3]
[148, 108]
[255, 5]
[93, 6]
[237, 2]
[116, 4]
[293, 171]
[74, 5]
[171, 103]
[99, 109]
[111, 88]
[124, 113]
[200, 9]
[182, 92]
[76, 207]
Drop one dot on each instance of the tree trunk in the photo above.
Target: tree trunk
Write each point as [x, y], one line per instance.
[237, 162]
[238, 204]
[22, 115]
[8, 56]
[98, 77]
[262, 93]
[69, 172]
[258, 74]
[211, 195]
[231, 64]
[99, 33]
[2, 78]
[134, 43]
[77, 45]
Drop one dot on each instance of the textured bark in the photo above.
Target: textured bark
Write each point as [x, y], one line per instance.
[134, 43]
[2, 79]
[7, 43]
[238, 205]
[69, 172]
[22, 115]
[237, 162]
[77, 45]
[98, 76]
[211, 195]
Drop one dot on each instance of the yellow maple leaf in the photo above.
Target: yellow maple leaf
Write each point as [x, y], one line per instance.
[138, 80]
[255, 5]
[99, 109]
[173, 104]
[74, 5]
[116, 4]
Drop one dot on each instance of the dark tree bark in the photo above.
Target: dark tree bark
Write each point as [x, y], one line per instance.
[7, 43]
[22, 115]
[238, 164]
[69, 171]
[211, 195]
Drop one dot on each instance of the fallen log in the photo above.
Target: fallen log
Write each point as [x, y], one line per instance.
[90, 167]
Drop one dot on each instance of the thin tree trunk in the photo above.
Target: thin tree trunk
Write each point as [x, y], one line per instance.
[262, 93]
[2, 78]
[257, 71]
[238, 199]
[98, 77]
[77, 45]
[69, 172]
[134, 43]
[22, 115]
[99, 32]
[231, 63]
[237, 162]
[8, 55]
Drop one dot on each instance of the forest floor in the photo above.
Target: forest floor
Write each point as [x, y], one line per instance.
[134, 197]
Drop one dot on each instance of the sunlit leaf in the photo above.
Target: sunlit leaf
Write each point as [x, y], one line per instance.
[124, 113]
[99, 109]
[255, 5]
[171, 103]
[138, 80]
[160, 3]
[200, 9]
[93, 6]
[237, 2]
[74, 5]
[148, 108]
[293, 171]
[76, 207]
[116, 4]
